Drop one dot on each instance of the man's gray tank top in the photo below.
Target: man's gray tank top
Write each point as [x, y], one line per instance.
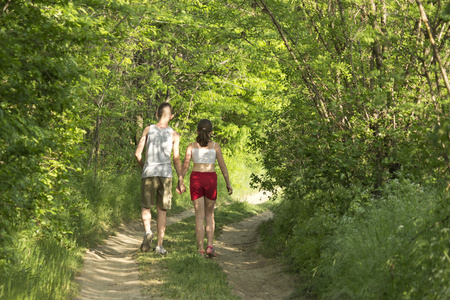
[159, 150]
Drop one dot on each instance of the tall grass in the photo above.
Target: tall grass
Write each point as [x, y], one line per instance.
[43, 270]
[391, 247]
[398, 249]
[105, 201]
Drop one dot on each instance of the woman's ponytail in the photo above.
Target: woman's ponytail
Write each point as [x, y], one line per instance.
[204, 128]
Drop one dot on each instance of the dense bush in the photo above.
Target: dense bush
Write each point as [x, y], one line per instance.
[397, 249]
[392, 247]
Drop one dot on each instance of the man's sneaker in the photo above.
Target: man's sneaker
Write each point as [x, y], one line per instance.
[211, 252]
[160, 250]
[147, 242]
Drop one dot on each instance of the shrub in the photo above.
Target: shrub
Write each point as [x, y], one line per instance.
[397, 249]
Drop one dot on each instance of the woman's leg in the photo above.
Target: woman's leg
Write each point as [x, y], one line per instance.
[210, 223]
[199, 207]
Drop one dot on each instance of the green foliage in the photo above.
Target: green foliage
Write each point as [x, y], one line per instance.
[42, 270]
[359, 112]
[395, 250]
[351, 115]
[42, 75]
[446, 12]
[440, 138]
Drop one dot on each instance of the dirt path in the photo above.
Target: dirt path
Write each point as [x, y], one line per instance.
[110, 270]
[250, 274]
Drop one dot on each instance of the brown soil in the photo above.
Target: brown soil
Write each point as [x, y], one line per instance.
[250, 274]
[111, 272]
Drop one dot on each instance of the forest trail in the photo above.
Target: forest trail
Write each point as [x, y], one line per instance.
[111, 272]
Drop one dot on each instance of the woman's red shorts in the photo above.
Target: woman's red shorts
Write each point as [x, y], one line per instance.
[203, 184]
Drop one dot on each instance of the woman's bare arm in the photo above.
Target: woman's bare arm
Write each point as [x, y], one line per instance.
[223, 168]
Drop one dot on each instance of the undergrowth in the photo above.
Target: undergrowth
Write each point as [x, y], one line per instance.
[395, 246]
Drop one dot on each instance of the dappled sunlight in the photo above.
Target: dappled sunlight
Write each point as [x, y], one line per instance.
[256, 198]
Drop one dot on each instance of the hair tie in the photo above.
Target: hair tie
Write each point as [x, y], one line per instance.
[203, 128]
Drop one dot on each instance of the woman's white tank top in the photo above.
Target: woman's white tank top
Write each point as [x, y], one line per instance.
[204, 155]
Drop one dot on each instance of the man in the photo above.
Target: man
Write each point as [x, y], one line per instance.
[156, 188]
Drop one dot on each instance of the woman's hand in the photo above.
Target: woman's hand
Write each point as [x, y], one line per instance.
[230, 189]
[180, 187]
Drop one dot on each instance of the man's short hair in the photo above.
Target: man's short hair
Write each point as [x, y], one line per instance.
[162, 107]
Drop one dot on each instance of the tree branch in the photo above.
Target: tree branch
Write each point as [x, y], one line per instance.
[6, 5]
[433, 43]
[311, 84]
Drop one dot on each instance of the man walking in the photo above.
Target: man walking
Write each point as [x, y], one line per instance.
[156, 187]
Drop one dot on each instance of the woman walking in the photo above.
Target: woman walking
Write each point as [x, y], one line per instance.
[203, 183]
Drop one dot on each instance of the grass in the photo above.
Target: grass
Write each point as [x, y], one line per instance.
[396, 250]
[43, 270]
[395, 246]
[183, 274]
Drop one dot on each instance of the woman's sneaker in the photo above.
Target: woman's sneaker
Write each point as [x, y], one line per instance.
[211, 252]
[160, 250]
[147, 242]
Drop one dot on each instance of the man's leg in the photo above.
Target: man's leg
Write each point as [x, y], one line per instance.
[148, 235]
[164, 202]
[147, 198]
[146, 219]
[162, 218]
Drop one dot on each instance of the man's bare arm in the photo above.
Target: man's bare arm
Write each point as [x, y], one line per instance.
[177, 163]
[187, 160]
[176, 154]
[140, 147]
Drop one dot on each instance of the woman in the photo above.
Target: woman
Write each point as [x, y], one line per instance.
[203, 183]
